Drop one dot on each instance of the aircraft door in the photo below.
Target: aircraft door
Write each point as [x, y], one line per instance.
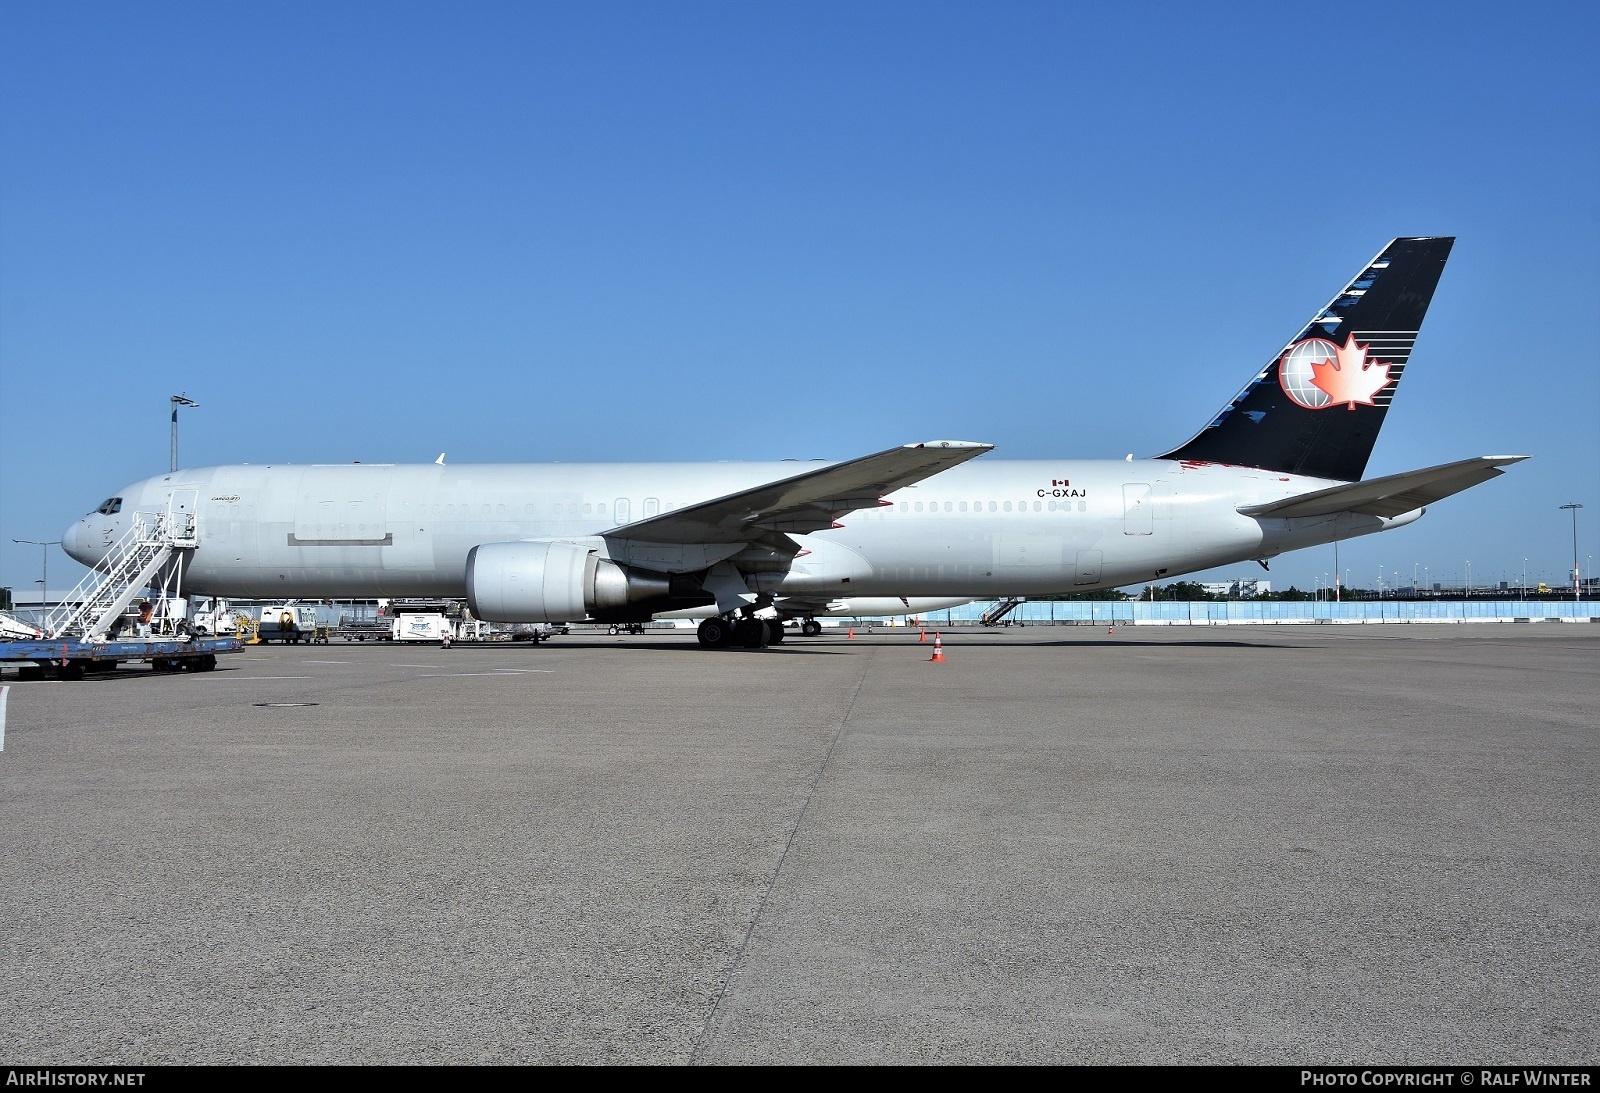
[1088, 570]
[181, 507]
[622, 508]
[1137, 509]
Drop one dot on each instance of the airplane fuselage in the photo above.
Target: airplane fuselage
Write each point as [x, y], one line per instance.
[980, 530]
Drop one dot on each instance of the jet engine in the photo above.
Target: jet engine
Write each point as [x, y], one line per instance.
[553, 582]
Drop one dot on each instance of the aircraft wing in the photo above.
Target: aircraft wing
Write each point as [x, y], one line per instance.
[807, 502]
[1393, 494]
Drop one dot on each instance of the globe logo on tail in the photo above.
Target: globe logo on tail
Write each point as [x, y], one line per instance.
[1317, 374]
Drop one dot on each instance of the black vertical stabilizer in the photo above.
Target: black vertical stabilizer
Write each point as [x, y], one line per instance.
[1317, 407]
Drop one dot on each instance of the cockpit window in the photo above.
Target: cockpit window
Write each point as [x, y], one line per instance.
[110, 506]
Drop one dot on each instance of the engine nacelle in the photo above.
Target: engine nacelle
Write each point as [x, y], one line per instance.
[552, 582]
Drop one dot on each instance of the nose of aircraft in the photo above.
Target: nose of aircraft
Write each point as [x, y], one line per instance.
[75, 541]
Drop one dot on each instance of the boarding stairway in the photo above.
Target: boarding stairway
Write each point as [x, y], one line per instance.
[129, 567]
[1001, 610]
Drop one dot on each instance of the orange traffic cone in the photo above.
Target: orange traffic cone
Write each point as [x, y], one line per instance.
[1110, 630]
[922, 636]
[851, 636]
[938, 651]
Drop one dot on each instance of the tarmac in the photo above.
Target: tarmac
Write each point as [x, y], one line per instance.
[1308, 845]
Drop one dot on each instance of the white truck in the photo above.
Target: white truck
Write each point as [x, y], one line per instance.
[422, 626]
[218, 617]
[290, 623]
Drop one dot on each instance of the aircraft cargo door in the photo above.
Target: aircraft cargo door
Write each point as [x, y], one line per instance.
[342, 506]
[1137, 510]
[1088, 570]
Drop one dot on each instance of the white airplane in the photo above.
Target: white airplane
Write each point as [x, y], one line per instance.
[908, 529]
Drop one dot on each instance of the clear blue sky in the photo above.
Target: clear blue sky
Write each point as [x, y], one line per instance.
[724, 231]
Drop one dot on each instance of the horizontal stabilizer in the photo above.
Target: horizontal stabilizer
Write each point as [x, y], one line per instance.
[1391, 495]
[807, 502]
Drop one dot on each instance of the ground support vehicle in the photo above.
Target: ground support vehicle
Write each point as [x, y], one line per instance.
[71, 659]
[368, 629]
[422, 626]
[290, 624]
[537, 631]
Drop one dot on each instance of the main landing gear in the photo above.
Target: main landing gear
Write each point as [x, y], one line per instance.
[721, 633]
[715, 633]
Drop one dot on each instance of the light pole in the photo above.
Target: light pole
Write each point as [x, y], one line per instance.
[44, 572]
[1524, 578]
[1577, 584]
[177, 401]
[1469, 580]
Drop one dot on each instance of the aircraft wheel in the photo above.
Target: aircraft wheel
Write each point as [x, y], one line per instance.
[811, 628]
[775, 632]
[753, 634]
[715, 633]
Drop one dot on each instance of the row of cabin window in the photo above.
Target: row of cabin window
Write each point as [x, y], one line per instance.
[572, 509]
[1001, 506]
[557, 510]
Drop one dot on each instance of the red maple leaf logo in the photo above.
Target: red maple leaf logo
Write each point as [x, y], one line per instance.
[1351, 379]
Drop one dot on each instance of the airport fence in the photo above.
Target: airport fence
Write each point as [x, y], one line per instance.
[1266, 612]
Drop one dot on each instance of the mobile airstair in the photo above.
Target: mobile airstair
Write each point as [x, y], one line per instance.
[1000, 610]
[150, 546]
[84, 632]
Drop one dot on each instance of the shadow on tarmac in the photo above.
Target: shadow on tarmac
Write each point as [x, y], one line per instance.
[878, 641]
